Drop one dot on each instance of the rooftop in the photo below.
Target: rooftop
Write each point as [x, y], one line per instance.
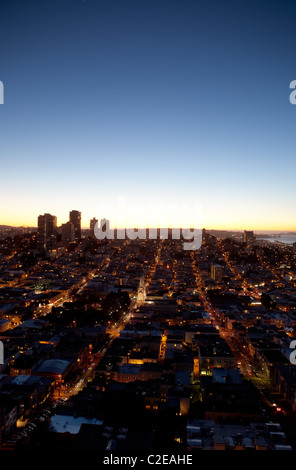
[71, 424]
[52, 366]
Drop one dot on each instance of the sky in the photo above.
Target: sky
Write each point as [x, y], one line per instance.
[154, 102]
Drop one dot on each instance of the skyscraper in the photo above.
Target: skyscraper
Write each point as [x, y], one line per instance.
[47, 232]
[68, 232]
[75, 219]
[248, 236]
[217, 272]
[92, 224]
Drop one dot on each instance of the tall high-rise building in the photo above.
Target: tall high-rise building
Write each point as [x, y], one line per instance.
[217, 272]
[75, 219]
[92, 224]
[47, 232]
[203, 235]
[68, 232]
[248, 236]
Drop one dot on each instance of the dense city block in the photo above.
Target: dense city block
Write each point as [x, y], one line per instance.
[141, 345]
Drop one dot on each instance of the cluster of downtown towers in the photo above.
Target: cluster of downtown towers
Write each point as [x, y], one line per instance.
[70, 231]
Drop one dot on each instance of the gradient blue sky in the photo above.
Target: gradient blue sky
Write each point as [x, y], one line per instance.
[153, 100]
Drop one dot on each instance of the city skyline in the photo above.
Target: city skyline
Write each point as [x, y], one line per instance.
[86, 226]
[99, 219]
[158, 101]
[99, 337]
[147, 228]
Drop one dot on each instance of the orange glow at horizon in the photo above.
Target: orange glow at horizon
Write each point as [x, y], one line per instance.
[177, 209]
[207, 223]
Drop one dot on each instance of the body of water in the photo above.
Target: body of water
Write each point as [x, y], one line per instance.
[288, 239]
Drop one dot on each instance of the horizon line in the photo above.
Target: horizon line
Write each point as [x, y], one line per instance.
[169, 228]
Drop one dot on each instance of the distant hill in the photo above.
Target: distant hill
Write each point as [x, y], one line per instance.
[225, 233]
